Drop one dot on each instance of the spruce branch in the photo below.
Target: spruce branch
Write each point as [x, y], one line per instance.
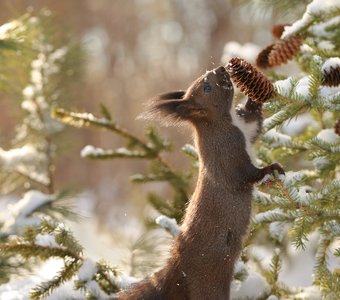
[275, 268]
[315, 79]
[287, 113]
[321, 255]
[28, 250]
[71, 266]
[60, 243]
[163, 206]
[98, 153]
[136, 149]
[81, 120]
[105, 277]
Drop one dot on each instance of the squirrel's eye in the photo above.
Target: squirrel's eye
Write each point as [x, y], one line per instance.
[207, 88]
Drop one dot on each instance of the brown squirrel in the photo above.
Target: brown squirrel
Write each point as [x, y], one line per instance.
[216, 220]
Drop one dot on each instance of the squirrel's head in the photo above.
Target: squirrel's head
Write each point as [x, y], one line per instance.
[207, 100]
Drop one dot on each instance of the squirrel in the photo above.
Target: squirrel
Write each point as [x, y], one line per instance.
[202, 257]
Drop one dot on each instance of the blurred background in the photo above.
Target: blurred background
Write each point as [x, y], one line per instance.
[134, 49]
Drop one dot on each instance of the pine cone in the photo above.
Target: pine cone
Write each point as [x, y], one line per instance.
[278, 29]
[284, 50]
[331, 77]
[337, 127]
[250, 81]
[262, 58]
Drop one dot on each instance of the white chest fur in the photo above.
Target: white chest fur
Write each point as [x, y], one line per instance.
[249, 131]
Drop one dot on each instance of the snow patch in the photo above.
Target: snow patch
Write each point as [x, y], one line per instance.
[302, 87]
[90, 150]
[169, 224]
[298, 124]
[20, 214]
[240, 266]
[326, 45]
[291, 177]
[284, 86]
[95, 289]
[304, 194]
[267, 215]
[277, 230]
[6, 28]
[87, 270]
[261, 197]
[19, 156]
[276, 138]
[309, 293]
[321, 29]
[331, 63]
[30, 202]
[328, 136]
[268, 122]
[46, 240]
[321, 163]
[317, 7]
[253, 287]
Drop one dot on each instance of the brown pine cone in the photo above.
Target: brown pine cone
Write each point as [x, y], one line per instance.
[337, 127]
[278, 29]
[331, 77]
[250, 81]
[284, 50]
[262, 58]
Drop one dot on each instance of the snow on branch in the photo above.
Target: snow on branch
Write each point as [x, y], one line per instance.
[87, 270]
[291, 178]
[169, 224]
[285, 86]
[90, 151]
[46, 240]
[331, 63]
[315, 8]
[25, 160]
[269, 216]
[276, 138]
[328, 136]
[261, 197]
[21, 215]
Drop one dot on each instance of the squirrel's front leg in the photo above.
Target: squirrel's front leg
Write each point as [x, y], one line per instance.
[258, 174]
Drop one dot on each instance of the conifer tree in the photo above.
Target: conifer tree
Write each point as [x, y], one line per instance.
[291, 210]
[306, 201]
[31, 227]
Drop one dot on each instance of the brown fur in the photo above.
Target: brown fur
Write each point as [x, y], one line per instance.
[203, 255]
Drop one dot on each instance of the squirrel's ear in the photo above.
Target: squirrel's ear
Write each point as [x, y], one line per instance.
[170, 111]
[169, 95]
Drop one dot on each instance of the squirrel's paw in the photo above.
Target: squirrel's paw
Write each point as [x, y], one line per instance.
[275, 167]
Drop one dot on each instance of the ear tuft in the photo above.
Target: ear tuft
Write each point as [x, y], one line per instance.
[170, 95]
[171, 109]
[158, 109]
